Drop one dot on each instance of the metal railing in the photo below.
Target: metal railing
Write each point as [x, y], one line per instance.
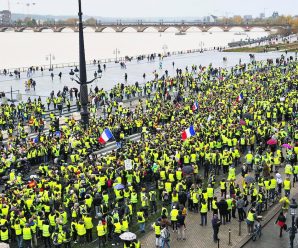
[107, 60]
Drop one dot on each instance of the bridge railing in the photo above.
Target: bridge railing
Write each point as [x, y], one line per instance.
[105, 60]
[144, 23]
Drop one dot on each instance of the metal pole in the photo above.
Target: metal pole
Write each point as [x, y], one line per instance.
[11, 93]
[240, 228]
[293, 231]
[83, 75]
[218, 243]
[229, 236]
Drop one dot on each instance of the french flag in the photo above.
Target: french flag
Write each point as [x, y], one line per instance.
[195, 106]
[240, 97]
[187, 133]
[105, 136]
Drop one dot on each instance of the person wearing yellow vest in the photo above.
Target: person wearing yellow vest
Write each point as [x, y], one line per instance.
[117, 232]
[27, 236]
[4, 234]
[250, 220]
[18, 232]
[101, 233]
[295, 173]
[157, 229]
[124, 225]
[223, 188]
[210, 194]
[203, 212]
[287, 186]
[88, 225]
[57, 238]
[81, 231]
[174, 214]
[141, 220]
[229, 211]
[46, 233]
[214, 205]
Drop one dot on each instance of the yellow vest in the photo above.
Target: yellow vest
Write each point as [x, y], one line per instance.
[174, 214]
[250, 216]
[27, 233]
[204, 208]
[101, 230]
[81, 230]
[287, 184]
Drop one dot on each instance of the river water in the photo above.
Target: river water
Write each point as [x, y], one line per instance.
[28, 48]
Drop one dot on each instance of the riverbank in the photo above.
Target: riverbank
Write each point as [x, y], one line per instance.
[289, 47]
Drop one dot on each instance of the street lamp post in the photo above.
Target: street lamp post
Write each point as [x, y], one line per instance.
[293, 229]
[50, 57]
[116, 52]
[83, 74]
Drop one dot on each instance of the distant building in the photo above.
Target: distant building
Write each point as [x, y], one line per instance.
[262, 16]
[5, 17]
[210, 18]
[275, 14]
[247, 17]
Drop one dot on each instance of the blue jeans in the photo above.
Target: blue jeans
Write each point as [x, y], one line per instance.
[165, 243]
[19, 239]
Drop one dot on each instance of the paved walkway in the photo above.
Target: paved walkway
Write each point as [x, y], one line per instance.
[198, 236]
[114, 74]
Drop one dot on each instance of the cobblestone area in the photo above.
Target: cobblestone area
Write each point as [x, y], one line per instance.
[198, 236]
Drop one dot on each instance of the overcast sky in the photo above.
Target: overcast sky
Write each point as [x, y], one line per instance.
[154, 8]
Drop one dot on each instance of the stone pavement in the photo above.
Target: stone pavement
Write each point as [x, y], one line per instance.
[198, 236]
[270, 236]
[114, 74]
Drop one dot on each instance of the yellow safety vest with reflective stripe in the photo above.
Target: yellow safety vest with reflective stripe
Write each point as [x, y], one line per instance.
[174, 214]
[157, 229]
[214, 205]
[210, 192]
[250, 216]
[117, 228]
[204, 208]
[88, 223]
[27, 233]
[81, 230]
[4, 235]
[287, 184]
[101, 231]
[46, 231]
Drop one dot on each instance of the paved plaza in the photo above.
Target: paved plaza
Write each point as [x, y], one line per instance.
[198, 236]
[114, 74]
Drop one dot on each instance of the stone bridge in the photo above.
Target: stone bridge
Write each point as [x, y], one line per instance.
[141, 27]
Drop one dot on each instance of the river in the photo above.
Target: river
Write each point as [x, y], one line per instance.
[29, 48]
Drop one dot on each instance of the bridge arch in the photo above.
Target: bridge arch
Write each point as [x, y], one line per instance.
[65, 29]
[7, 29]
[46, 29]
[215, 29]
[237, 29]
[192, 29]
[171, 29]
[258, 29]
[150, 29]
[130, 30]
[108, 30]
[89, 29]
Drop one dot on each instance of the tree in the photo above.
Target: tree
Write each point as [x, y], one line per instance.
[71, 21]
[237, 19]
[90, 21]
